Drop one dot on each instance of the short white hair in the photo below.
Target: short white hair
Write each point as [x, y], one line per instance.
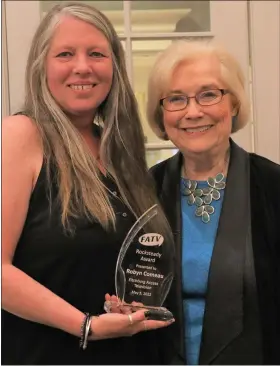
[191, 50]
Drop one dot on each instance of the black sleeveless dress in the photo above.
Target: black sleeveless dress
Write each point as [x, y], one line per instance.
[80, 269]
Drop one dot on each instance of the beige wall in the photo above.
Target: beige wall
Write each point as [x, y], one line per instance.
[265, 51]
[261, 18]
[4, 71]
[22, 20]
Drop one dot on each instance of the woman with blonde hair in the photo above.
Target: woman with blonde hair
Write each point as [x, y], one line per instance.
[74, 180]
[223, 206]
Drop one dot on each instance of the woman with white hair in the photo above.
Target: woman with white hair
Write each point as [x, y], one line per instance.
[74, 180]
[223, 206]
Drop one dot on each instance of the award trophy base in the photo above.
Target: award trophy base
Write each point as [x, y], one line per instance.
[155, 313]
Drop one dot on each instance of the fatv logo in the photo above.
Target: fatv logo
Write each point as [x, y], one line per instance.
[151, 239]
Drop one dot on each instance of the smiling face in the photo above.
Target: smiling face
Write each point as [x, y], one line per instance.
[198, 129]
[79, 67]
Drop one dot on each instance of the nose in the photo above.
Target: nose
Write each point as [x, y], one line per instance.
[82, 65]
[193, 109]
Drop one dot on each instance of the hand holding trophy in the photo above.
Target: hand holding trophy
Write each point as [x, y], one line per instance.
[144, 272]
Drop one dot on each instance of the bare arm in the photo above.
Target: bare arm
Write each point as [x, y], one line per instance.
[21, 295]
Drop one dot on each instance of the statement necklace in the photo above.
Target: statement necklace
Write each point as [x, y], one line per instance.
[203, 198]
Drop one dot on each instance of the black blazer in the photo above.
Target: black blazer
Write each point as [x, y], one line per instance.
[242, 313]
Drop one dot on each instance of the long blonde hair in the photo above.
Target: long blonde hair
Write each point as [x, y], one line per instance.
[80, 189]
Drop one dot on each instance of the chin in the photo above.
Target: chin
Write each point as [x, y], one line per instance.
[79, 111]
[199, 147]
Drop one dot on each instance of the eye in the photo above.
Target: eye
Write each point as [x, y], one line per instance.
[97, 54]
[177, 99]
[209, 95]
[64, 54]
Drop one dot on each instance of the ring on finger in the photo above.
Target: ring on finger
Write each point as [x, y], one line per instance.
[130, 319]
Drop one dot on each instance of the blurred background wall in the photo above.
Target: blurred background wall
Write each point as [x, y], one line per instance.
[249, 29]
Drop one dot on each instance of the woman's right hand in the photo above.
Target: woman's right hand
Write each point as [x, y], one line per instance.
[113, 325]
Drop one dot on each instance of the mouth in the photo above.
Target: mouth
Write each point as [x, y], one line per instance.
[199, 129]
[81, 86]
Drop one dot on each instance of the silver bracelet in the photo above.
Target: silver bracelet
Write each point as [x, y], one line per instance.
[87, 331]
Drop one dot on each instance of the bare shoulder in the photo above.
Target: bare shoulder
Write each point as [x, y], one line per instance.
[21, 143]
[20, 128]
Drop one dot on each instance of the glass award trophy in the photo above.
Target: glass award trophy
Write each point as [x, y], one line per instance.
[144, 270]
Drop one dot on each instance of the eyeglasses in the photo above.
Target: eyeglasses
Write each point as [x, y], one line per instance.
[178, 102]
